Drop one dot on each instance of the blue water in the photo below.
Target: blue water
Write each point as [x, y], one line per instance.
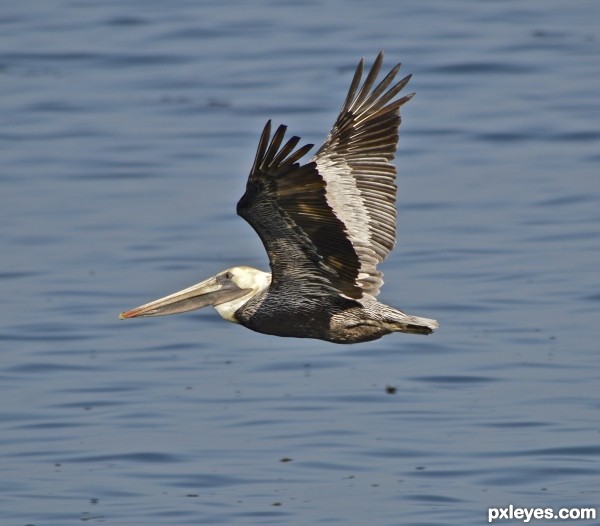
[127, 132]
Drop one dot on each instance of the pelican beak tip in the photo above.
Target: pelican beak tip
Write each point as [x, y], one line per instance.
[128, 314]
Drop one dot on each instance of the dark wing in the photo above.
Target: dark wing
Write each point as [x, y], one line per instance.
[356, 163]
[326, 224]
[285, 203]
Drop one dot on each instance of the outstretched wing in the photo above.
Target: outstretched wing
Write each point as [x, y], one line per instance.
[326, 224]
[356, 163]
[285, 203]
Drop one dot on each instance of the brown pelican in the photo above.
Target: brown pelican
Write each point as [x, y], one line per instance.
[325, 225]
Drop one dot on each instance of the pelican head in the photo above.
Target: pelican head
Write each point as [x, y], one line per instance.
[226, 292]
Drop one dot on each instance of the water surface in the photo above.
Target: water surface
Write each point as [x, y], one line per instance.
[128, 129]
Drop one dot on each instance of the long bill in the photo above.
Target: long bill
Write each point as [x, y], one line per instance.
[212, 291]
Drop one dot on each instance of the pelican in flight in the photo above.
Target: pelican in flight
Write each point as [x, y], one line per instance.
[325, 223]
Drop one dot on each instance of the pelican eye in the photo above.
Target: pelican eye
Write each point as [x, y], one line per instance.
[228, 275]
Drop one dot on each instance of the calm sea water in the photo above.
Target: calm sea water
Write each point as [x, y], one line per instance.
[127, 131]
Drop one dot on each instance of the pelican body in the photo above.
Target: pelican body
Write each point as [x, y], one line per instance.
[325, 224]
